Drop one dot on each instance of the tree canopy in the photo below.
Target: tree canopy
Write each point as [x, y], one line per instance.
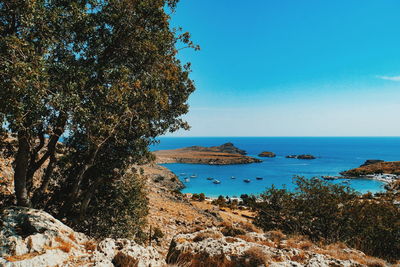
[102, 75]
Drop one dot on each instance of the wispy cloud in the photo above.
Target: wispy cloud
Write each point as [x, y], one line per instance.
[390, 78]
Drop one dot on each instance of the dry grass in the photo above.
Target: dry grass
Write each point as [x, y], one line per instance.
[72, 237]
[204, 235]
[22, 257]
[231, 240]
[90, 245]
[255, 256]
[64, 245]
[299, 242]
[277, 236]
[122, 260]
[301, 257]
[337, 251]
[200, 260]
[249, 227]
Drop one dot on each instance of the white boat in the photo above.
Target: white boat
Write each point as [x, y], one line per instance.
[233, 177]
[187, 180]
[193, 176]
[216, 181]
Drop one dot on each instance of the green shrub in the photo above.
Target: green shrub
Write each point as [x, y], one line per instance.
[202, 197]
[333, 213]
[119, 210]
[220, 201]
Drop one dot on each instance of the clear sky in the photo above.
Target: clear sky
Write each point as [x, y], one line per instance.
[293, 68]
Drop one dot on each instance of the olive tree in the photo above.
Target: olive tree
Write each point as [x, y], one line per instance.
[104, 75]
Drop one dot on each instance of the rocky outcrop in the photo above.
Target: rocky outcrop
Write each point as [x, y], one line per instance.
[229, 148]
[371, 161]
[225, 154]
[253, 249]
[303, 156]
[389, 167]
[30, 237]
[267, 154]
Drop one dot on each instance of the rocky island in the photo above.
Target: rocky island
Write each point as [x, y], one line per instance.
[216, 155]
[371, 167]
[267, 154]
[303, 156]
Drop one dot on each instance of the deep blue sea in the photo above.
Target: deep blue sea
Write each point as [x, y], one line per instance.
[334, 154]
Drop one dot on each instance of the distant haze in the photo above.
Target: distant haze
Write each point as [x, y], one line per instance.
[293, 68]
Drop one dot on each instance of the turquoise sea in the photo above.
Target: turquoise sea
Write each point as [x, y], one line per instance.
[334, 154]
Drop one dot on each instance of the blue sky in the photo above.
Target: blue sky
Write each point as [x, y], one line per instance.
[293, 68]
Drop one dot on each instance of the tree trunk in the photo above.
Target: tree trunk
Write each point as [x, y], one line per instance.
[21, 167]
[51, 150]
[47, 175]
[73, 195]
[87, 197]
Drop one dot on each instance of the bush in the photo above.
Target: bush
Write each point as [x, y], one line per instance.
[157, 234]
[202, 197]
[119, 210]
[333, 213]
[220, 201]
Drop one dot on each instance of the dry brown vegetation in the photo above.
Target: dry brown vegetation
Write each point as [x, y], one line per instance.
[90, 245]
[255, 257]
[204, 235]
[22, 257]
[342, 252]
[122, 260]
[64, 245]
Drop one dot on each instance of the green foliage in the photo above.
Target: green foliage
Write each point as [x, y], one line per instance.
[333, 213]
[157, 234]
[220, 201]
[119, 210]
[202, 197]
[229, 230]
[105, 76]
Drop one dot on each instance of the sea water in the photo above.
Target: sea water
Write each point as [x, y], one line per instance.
[334, 154]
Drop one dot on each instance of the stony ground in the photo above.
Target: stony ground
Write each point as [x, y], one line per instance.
[194, 232]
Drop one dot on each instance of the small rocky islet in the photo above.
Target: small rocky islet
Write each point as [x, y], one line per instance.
[303, 156]
[225, 154]
[267, 154]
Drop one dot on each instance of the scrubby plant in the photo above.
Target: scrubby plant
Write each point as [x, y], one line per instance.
[220, 201]
[331, 213]
[202, 197]
[119, 210]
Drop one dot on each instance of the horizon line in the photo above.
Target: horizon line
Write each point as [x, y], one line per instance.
[297, 136]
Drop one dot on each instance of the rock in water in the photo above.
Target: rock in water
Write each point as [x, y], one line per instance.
[267, 154]
[303, 156]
